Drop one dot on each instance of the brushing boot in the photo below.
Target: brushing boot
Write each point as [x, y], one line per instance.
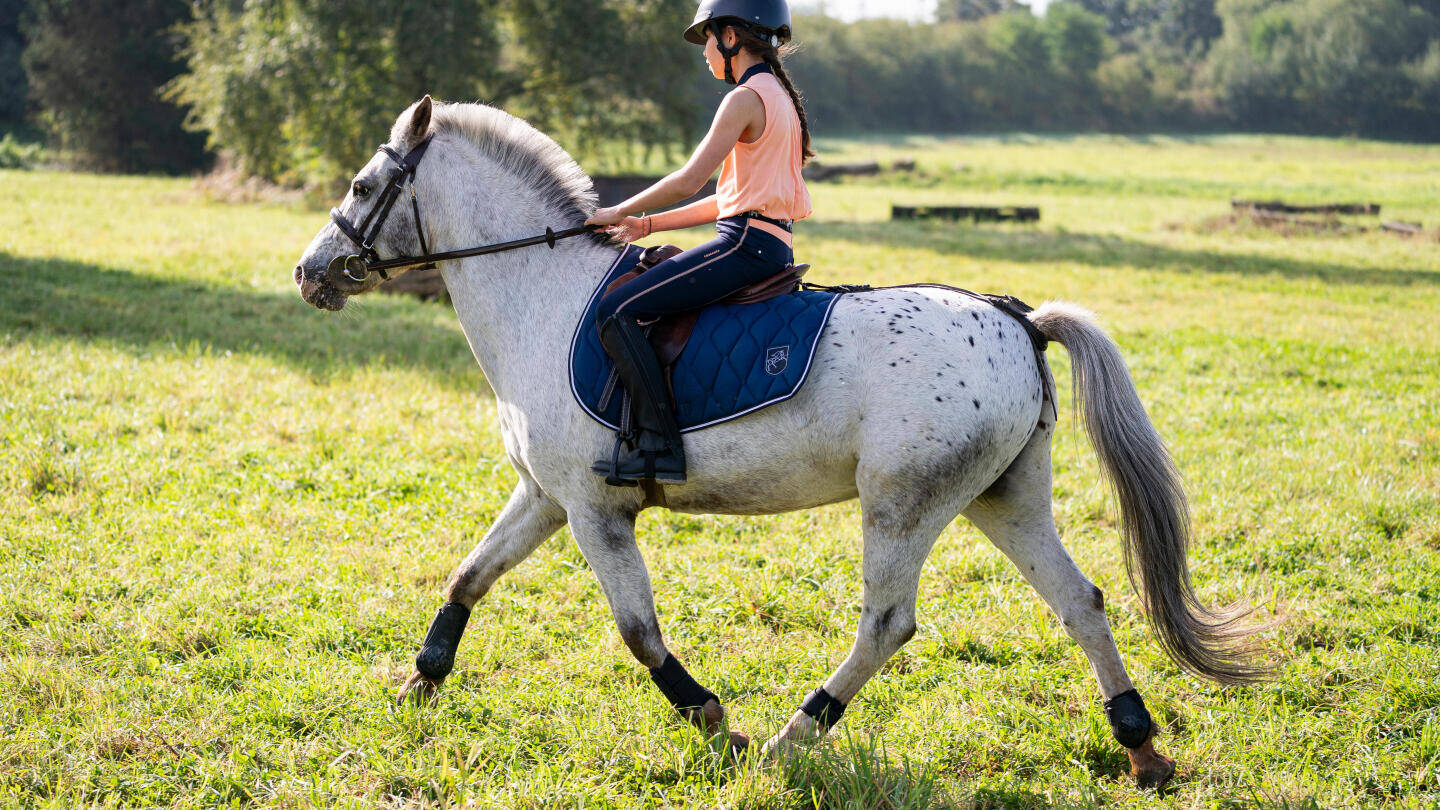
[654, 449]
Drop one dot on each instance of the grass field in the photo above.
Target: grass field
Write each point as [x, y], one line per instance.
[226, 518]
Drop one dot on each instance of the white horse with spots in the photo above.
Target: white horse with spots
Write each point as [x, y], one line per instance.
[942, 412]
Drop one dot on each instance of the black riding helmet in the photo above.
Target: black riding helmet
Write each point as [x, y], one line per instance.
[764, 17]
[767, 19]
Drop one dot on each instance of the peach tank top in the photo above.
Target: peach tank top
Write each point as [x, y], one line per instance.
[764, 175]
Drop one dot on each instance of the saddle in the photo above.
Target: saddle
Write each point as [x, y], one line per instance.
[670, 333]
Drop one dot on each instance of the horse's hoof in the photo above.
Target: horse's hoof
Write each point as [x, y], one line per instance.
[735, 744]
[418, 690]
[1150, 768]
[710, 720]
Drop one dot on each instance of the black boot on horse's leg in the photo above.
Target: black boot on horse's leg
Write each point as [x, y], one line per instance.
[657, 450]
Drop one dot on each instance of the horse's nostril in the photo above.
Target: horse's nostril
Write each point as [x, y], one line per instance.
[299, 274]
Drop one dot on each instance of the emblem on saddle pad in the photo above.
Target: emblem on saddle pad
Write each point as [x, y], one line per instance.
[776, 358]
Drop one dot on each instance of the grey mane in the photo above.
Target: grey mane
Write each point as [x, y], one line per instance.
[536, 161]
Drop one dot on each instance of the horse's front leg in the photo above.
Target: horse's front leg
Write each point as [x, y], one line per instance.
[607, 539]
[527, 520]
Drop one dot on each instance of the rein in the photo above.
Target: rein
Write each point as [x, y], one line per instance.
[356, 269]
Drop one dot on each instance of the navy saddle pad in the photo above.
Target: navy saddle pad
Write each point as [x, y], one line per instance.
[740, 358]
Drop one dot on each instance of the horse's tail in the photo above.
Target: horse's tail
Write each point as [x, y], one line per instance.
[1155, 516]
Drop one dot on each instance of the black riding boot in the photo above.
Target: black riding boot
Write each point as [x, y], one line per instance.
[654, 449]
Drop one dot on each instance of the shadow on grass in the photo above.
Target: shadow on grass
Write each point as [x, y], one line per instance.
[1100, 250]
[67, 299]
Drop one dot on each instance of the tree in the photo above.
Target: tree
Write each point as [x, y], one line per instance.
[1334, 66]
[95, 68]
[969, 10]
[13, 87]
[597, 73]
[302, 90]
[1123, 17]
[1188, 26]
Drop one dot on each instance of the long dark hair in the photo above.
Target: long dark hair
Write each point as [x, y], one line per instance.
[771, 54]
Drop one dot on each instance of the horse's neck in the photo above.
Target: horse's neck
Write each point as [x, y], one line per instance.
[519, 310]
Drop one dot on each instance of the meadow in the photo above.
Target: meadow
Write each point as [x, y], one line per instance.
[227, 518]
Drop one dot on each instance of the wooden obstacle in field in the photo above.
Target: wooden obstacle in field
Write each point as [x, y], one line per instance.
[1287, 217]
[1282, 207]
[974, 213]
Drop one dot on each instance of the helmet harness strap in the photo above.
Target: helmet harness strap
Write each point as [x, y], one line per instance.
[728, 53]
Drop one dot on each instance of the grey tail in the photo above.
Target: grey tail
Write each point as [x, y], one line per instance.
[1154, 512]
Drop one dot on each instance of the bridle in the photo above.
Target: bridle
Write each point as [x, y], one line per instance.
[352, 271]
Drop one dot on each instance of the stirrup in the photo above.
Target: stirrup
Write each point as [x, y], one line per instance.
[600, 468]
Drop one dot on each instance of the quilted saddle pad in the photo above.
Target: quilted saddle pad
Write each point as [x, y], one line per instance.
[740, 358]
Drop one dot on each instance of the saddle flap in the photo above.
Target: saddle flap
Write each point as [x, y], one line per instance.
[737, 360]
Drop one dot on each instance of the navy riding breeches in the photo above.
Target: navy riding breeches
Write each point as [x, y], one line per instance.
[737, 257]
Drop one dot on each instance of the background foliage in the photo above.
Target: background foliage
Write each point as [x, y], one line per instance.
[299, 91]
[93, 67]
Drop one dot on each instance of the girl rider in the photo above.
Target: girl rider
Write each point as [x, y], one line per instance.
[761, 135]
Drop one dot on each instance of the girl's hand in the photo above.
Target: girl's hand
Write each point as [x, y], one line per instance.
[630, 229]
[606, 216]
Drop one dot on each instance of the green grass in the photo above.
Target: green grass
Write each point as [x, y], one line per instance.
[226, 518]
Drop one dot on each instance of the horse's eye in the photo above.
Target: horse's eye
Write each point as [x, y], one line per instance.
[361, 191]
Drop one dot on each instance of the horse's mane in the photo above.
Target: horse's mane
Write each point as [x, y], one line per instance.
[535, 159]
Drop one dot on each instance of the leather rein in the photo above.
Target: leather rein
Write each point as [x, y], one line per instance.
[345, 271]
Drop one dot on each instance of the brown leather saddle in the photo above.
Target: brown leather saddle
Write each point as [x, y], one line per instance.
[671, 332]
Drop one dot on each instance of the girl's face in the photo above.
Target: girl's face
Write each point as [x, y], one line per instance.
[713, 59]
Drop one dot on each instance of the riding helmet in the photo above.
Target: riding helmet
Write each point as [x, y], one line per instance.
[765, 17]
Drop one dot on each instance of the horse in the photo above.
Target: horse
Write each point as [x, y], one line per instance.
[924, 403]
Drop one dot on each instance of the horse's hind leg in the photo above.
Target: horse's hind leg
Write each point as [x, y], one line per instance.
[898, 535]
[528, 519]
[1015, 513]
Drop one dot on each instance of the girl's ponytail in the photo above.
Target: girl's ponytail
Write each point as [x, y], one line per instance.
[772, 58]
[771, 55]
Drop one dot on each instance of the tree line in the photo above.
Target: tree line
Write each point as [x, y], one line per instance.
[298, 91]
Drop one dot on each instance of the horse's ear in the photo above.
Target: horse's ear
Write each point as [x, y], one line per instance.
[419, 120]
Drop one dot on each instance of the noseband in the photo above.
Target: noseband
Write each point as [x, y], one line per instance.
[355, 269]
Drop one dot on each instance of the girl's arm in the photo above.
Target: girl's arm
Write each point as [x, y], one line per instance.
[738, 113]
[696, 213]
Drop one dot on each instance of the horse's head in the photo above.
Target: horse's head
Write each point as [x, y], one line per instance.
[374, 219]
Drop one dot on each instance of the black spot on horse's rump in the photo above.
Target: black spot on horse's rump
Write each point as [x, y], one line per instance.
[975, 316]
[977, 403]
[939, 399]
[892, 365]
[972, 340]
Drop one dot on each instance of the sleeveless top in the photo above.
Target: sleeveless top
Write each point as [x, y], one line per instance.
[764, 175]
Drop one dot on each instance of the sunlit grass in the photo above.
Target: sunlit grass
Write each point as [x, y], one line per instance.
[226, 518]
